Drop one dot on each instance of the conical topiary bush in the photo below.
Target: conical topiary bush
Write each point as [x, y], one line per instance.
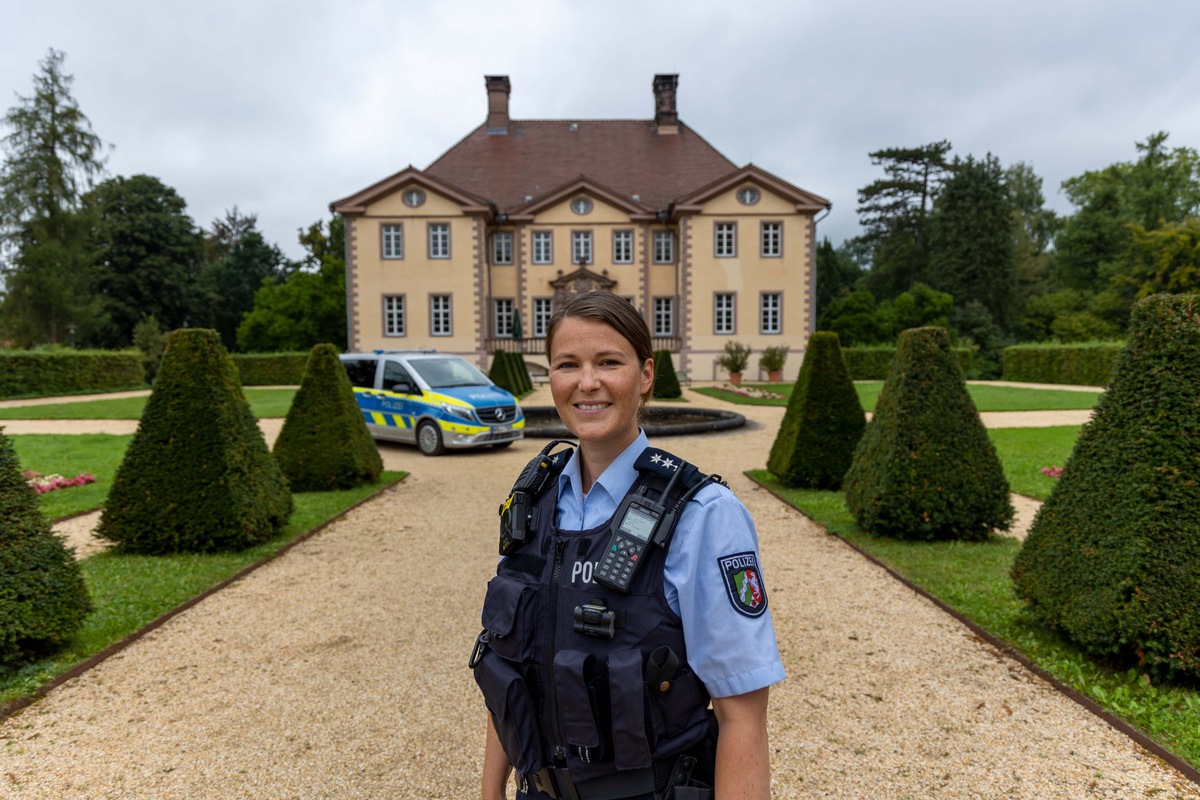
[925, 468]
[1113, 557]
[197, 476]
[666, 382]
[502, 373]
[325, 444]
[43, 599]
[823, 423]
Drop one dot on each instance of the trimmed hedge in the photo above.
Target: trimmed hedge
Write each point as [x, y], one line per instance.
[43, 599]
[325, 444]
[57, 372]
[1086, 363]
[666, 382]
[925, 468]
[872, 362]
[1113, 557]
[271, 369]
[197, 476]
[823, 422]
[509, 372]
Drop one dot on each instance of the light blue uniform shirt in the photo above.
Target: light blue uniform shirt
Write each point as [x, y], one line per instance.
[733, 653]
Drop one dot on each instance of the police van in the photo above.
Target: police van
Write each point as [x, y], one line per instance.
[433, 400]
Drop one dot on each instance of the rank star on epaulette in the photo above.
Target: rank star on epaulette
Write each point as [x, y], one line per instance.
[656, 459]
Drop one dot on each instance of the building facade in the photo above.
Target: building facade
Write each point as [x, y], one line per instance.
[471, 254]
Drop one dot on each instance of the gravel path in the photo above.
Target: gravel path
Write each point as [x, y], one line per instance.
[339, 671]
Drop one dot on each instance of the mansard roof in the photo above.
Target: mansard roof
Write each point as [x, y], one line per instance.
[535, 157]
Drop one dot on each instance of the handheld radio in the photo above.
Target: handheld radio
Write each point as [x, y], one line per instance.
[637, 523]
[519, 513]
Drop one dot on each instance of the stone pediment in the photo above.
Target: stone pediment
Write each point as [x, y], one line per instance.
[580, 281]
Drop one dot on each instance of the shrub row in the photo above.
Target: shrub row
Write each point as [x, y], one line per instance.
[872, 362]
[55, 372]
[271, 369]
[1086, 363]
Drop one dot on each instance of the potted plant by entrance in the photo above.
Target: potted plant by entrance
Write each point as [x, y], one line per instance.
[772, 361]
[737, 356]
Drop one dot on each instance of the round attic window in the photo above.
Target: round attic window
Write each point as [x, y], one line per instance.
[414, 198]
[748, 196]
[581, 205]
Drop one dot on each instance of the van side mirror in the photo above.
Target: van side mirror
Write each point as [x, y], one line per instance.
[403, 388]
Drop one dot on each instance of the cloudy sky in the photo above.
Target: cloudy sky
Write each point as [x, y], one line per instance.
[281, 107]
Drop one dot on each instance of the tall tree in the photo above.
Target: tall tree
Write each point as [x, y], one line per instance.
[52, 157]
[148, 256]
[836, 274]
[250, 264]
[970, 238]
[226, 232]
[309, 307]
[894, 210]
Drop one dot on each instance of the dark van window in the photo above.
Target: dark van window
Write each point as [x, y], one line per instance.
[394, 373]
[361, 372]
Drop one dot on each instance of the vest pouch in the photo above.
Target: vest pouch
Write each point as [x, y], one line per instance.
[675, 710]
[583, 706]
[507, 616]
[631, 747]
[514, 715]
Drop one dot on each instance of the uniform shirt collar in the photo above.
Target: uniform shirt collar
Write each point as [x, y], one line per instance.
[611, 486]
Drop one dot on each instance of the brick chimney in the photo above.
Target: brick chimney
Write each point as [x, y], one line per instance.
[666, 120]
[498, 87]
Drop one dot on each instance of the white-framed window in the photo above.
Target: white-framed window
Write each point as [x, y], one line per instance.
[581, 247]
[772, 239]
[502, 312]
[664, 316]
[771, 313]
[664, 247]
[543, 247]
[726, 240]
[543, 307]
[393, 315]
[724, 318]
[441, 321]
[622, 247]
[439, 240]
[502, 247]
[392, 240]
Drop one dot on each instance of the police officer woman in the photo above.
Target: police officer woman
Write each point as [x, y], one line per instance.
[597, 661]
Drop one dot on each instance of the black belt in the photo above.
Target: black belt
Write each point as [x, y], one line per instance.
[557, 782]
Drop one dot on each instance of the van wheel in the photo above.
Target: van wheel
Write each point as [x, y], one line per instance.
[429, 439]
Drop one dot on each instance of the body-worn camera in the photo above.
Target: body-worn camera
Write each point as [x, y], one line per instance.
[519, 513]
[595, 619]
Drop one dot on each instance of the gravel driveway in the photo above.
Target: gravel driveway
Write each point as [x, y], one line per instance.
[339, 671]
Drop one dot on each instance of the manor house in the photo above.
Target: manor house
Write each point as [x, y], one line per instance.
[470, 254]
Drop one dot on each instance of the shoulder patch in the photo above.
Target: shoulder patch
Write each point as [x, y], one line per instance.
[743, 583]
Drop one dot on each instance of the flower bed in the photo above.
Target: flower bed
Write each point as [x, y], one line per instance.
[750, 391]
[49, 483]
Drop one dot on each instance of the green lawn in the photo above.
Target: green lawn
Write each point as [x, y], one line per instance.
[130, 591]
[97, 453]
[1024, 451]
[973, 579]
[986, 397]
[265, 403]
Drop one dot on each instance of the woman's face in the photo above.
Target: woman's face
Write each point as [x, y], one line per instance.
[597, 382]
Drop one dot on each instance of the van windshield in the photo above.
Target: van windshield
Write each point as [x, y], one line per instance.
[445, 373]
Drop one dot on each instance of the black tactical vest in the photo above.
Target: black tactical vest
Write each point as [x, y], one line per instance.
[563, 696]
